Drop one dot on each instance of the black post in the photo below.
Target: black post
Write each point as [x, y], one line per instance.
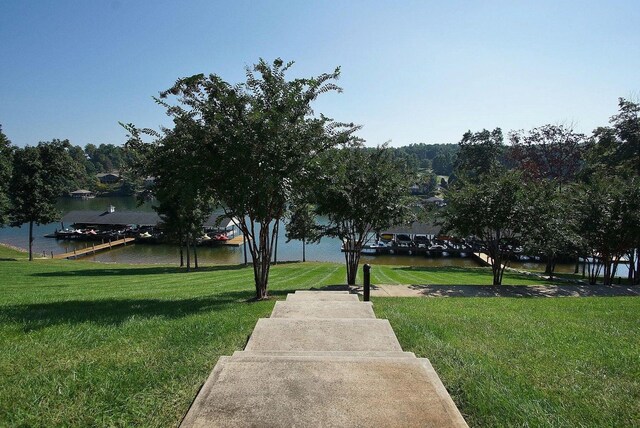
[367, 281]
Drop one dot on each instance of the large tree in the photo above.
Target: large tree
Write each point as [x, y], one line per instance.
[257, 141]
[480, 154]
[6, 154]
[551, 152]
[488, 211]
[361, 191]
[40, 175]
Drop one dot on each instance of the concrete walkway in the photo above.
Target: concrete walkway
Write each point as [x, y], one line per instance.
[323, 360]
[381, 290]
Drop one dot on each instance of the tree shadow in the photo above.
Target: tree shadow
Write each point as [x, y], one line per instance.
[7, 259]
[114, 312]
[439, 269]
[136, 271]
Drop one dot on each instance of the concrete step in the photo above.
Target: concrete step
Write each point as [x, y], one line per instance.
[318, 292]
[322, 392]
[329, 354]
[316, 309]
[285, 334]
[326, 296]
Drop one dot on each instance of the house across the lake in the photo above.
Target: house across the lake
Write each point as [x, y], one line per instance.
[82, 194]
[109, 177]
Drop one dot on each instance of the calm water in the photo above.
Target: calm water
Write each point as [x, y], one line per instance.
[328, 250]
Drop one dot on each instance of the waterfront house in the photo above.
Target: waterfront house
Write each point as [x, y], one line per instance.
[82, 194]
[109, 177]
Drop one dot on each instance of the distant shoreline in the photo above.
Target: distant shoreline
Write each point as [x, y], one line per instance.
[13, 247]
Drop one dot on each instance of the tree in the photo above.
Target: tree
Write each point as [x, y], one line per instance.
[551, 152]
[361, 192]
[442, 163]
[256, 143]
[615, 150]
[479, 154]
[6, 154]
[301, 225]
[489, 211]
[608, 220]
[548, 222]
[40, 175]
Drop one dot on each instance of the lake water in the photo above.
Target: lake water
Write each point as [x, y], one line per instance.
[328, 250]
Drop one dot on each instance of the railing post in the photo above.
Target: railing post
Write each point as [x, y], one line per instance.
[367, 282]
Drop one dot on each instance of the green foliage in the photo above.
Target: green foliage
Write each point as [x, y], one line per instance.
[479, 154]
[301, 225]
[490, 211]
[616, 149]
[40, 175]
[6, 155]
[608, 220]
[361, 191]
[551, 152]
[438, 157]
[256, 145]
[549, 221]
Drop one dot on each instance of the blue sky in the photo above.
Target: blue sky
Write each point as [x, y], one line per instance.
[412, 71]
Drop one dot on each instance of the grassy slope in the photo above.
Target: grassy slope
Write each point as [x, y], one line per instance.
[93, 344]
[529, 362]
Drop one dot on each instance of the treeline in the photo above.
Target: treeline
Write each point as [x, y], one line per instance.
[552, 192]
[438, 158]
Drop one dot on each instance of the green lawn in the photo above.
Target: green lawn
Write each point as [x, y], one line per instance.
[86, 344]
[557, 362]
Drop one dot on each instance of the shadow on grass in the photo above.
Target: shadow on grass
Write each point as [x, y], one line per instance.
[442, 269]
[5, 259]
[523, 290]
[114, 312]
[135, 271]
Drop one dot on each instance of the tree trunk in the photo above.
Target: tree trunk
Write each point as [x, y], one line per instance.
[550, 265]
[493, 248]
[352, 259]
[636, 281]
[304, 256]
[260, 248]
[31, 241]
[275, 249]
[188, 255]
[195, 255]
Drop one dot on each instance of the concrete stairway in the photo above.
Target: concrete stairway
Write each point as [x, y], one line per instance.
[323, 360]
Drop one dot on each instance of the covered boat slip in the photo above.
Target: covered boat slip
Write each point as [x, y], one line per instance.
[145, 226]
[416, 238]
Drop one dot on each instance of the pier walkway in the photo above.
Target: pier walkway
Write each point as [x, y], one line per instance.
[323, 360]
[93, 249]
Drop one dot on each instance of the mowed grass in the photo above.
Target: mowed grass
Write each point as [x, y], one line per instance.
[556, 362]
[86, 344]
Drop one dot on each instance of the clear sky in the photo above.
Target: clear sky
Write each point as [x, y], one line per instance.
[412, 71]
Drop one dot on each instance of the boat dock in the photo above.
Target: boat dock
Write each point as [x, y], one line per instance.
[236, 241]
[93, 249]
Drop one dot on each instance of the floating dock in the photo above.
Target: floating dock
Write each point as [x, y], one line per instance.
[236, 241]
[93, 249]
